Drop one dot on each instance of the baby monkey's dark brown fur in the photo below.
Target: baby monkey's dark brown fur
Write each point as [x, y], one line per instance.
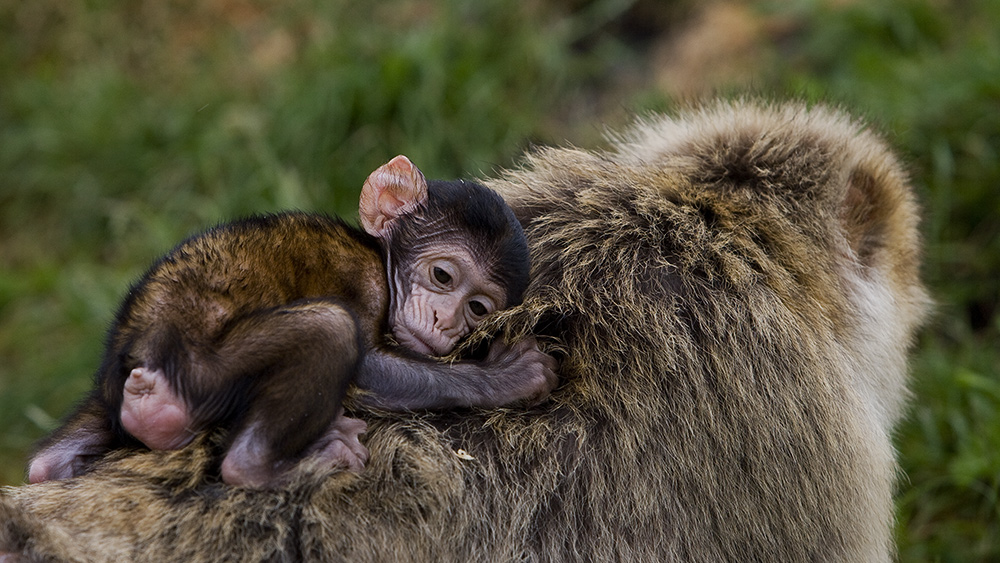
[260, 325]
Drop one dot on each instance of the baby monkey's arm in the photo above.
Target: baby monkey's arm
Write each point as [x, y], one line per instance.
[510, 373]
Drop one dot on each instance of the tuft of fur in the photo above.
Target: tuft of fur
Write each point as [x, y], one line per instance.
[731, 291]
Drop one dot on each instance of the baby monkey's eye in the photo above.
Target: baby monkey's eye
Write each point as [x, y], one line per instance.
[477, 308]
[441, 276]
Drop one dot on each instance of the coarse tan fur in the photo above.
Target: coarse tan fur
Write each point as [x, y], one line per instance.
[732, 292]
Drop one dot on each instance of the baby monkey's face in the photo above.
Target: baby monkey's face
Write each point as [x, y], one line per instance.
[441, 297]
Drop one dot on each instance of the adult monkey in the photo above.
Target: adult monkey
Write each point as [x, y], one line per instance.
[733, 291]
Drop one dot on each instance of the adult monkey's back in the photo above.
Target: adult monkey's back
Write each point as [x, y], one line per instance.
[734, 291]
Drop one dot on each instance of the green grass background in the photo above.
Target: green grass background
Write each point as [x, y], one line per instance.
[127, 125]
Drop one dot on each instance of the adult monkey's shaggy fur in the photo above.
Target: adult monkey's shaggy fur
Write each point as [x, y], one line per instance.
[733, 292]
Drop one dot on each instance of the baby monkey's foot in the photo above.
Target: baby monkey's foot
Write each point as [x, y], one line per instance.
[153, 413]
[340, 445]
[250, 460]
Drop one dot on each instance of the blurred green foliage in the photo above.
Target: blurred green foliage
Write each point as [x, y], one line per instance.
[126, 126]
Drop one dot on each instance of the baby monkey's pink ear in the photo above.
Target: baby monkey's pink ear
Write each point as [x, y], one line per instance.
[394, 189]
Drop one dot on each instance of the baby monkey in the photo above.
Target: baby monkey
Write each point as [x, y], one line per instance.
[260, 325]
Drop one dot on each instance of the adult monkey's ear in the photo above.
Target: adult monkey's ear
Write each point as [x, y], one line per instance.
[394, 189]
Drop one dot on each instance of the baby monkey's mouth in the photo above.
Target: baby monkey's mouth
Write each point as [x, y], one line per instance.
[409, 339]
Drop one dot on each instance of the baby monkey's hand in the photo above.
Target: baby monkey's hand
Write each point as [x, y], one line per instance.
[526, 372]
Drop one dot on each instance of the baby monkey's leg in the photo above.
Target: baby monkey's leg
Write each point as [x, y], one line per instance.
[275, 378]
[302, 358]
